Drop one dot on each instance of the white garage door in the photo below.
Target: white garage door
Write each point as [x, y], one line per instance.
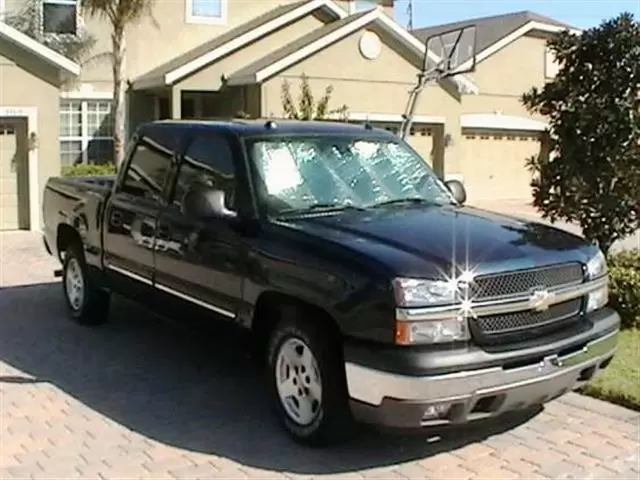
[421, 139]
[493, 165]
[8, 178]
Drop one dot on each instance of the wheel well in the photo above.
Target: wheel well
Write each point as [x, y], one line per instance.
[66, 236]
[269, 310]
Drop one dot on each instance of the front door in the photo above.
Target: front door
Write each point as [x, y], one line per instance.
[201, 262]
[131, 215]
[13, 175]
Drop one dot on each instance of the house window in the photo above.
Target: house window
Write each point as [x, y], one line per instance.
[85, 131]
[363, 5]
[60, 16]
[551, 65]
[206, 11]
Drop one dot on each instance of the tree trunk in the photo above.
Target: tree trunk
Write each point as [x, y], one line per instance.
[119, 94]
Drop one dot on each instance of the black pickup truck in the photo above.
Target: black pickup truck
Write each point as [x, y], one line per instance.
[367, 286]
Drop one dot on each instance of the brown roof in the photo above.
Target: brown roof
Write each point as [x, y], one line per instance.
[158, 73]
[293, 47]
[489, 30]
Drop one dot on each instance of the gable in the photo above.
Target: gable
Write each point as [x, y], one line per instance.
[256, 30]
[309, 45]
[379, 85]
[211, 76]
[514, 69]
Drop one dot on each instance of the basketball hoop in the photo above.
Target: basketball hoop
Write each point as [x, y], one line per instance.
[447, 54]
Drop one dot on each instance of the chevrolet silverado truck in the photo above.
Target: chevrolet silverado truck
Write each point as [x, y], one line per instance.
[368, 287]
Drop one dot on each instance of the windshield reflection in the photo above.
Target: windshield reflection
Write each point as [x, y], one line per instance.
[297, 174]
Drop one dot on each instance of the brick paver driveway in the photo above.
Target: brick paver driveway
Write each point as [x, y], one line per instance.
[139, 398]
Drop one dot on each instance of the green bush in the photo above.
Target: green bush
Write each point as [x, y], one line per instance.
[87, 170]
[624, 285]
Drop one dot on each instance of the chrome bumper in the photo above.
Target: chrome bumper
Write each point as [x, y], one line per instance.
[501, 389]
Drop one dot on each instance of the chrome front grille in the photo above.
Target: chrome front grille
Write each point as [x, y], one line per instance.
[521, 282]
[528, 319]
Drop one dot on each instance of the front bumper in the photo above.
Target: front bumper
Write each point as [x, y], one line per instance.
[413, 401]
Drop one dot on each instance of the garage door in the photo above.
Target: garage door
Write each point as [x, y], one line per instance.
[8, 178]
[494, 165]
[421, 138]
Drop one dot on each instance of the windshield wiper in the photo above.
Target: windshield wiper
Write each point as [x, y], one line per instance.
[321, 207]
[407, 201]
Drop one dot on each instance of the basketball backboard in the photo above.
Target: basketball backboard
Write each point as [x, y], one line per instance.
[451, 53]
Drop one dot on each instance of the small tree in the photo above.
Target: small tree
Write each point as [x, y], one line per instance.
[307, 108]
[592, 175]
[28, 20]
[120, 14]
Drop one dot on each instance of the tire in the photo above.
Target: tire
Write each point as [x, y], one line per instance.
[87, 304]
[319, 421]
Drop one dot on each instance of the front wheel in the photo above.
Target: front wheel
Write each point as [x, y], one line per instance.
[87, 304]
[307, 382]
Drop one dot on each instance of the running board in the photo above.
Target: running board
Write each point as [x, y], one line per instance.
[57, 273]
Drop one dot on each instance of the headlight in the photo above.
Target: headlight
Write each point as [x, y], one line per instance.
[415, 292]
[597, 266]
[432, 331]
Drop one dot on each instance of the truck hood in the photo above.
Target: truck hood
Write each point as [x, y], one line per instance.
[419, 240]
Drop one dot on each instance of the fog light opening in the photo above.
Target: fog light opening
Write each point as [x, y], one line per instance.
[436, 410]
[606, 363]
[587, 374]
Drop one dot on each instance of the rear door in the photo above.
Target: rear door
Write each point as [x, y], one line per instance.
[132, 211]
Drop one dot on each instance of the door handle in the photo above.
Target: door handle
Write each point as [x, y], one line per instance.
[116, 218]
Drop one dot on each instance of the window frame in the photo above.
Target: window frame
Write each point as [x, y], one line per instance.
[146, 142]
[181, 160]
[85, 136]
[206, 20]
[74, 3]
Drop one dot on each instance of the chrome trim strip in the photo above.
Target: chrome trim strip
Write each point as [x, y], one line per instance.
[129, 274]
[188, 298]
[480, 309]
[372, 386]
[195, 301]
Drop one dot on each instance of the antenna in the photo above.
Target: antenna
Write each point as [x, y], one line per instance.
[410, 14]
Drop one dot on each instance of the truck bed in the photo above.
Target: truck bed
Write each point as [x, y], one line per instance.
[62, 198]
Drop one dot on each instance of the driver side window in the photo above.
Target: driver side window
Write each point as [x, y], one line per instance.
[208, 161]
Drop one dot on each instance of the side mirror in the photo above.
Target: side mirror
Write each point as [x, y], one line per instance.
[457, 190]
[205, 202]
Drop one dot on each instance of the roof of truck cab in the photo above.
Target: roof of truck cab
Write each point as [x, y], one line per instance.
[266, 126]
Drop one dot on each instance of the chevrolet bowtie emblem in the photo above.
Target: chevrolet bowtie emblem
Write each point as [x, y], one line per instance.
[541, 299]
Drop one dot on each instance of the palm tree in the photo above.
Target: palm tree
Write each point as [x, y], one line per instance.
[120, 14]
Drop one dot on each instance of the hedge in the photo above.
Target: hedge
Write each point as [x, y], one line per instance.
[87, 170]
[624, 286]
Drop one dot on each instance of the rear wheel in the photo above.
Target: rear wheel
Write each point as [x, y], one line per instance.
[307, 382]
[87, 304]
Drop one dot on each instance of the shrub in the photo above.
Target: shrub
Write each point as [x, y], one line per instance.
[624, 285]
[87, 170]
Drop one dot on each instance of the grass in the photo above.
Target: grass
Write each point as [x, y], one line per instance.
[620, 382]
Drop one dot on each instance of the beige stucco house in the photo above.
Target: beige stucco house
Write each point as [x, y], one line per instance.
[211, 58]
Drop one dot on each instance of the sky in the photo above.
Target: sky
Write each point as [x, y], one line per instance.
[578, 13]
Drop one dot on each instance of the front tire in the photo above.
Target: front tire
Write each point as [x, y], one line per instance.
[307, 382]
[87, 304]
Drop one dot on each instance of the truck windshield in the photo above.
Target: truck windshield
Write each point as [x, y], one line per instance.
[303, 173]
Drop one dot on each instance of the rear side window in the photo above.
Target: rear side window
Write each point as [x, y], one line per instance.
[208, 160]
[147, 172]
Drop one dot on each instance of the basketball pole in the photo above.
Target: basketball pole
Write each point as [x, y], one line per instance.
[436, 73]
